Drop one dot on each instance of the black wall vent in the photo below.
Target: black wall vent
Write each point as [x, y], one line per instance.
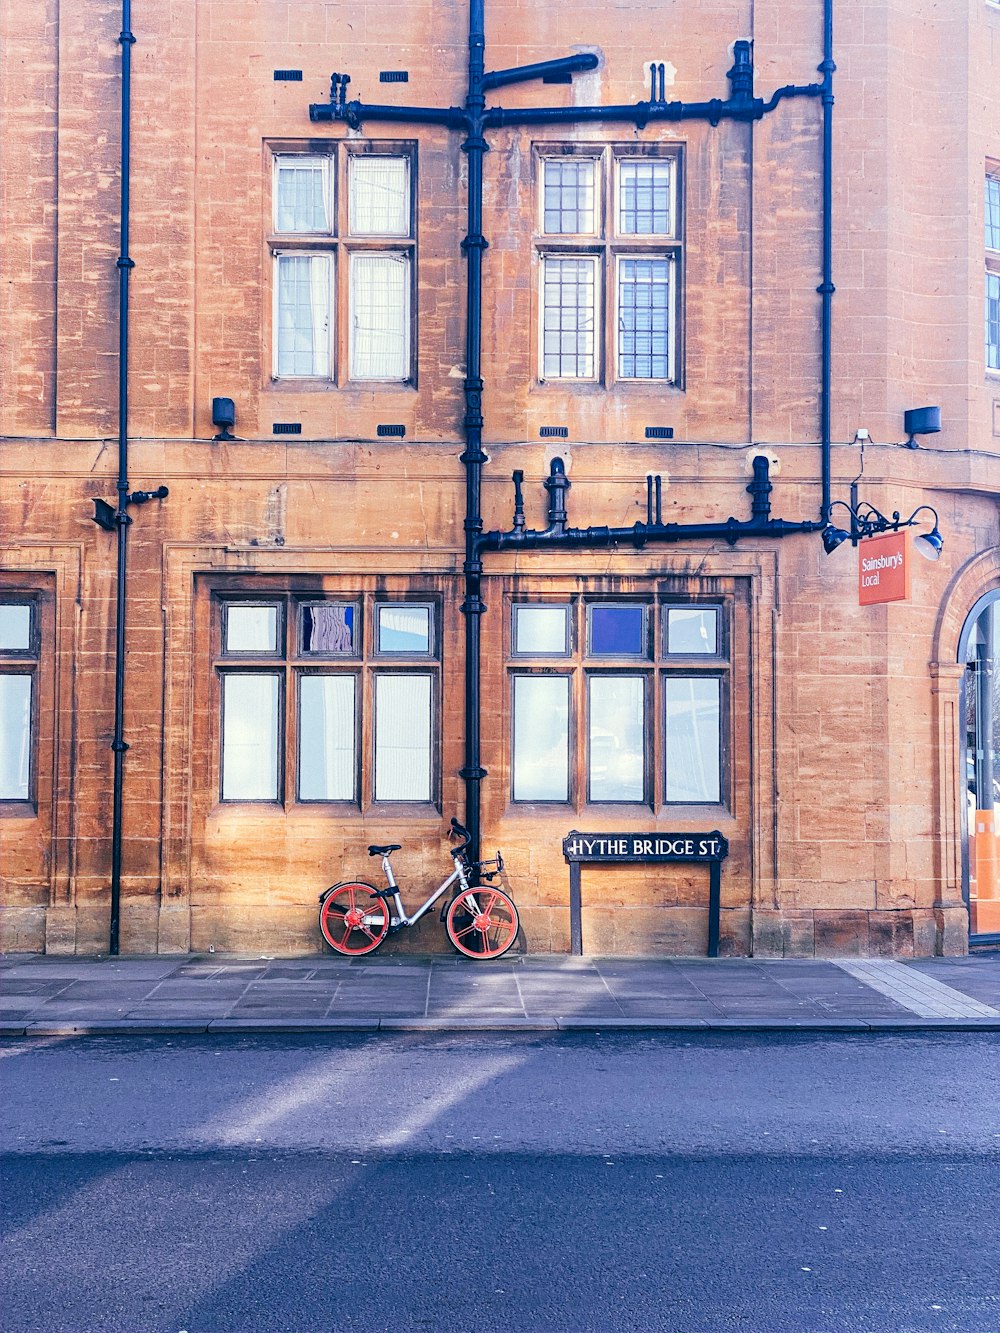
[288, 76]
[659, 432]
[394, 76]
[553, 432]
[558, 76]
[287, 428]
[392, 432]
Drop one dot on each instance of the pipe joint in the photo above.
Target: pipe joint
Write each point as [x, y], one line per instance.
[119, 746]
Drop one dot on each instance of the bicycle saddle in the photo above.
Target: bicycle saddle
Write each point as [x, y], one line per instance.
[383, 851]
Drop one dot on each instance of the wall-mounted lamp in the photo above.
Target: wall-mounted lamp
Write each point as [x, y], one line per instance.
[920, 421]
[224, 416]
[867, 521]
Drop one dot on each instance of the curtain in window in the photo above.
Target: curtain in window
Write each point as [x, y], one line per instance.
[251, 629]
[302, 195]
[379, 196]
[380, 316]
[402, 738]
[541, 738]
[693, 735]
[15, 736]
[250, 737]
[616, 738]
[330, 628]
[326, 738]
[304, 314]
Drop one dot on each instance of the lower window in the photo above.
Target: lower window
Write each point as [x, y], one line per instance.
[18, 687]
[618, 702]
[327, 700]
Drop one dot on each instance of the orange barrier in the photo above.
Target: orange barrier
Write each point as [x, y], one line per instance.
[984, 903]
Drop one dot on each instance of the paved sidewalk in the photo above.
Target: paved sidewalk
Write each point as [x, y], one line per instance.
[49, 996]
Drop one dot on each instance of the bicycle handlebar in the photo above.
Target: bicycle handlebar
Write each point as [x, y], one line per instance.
[460, 831]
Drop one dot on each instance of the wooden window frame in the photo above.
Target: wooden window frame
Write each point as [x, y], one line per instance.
[607, 248]
[291, 664]
[340, 243]
[655, 666]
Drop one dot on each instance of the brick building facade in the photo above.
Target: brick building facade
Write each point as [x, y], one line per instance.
[297, 644]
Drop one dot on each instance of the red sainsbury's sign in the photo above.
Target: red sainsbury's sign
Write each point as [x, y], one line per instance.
[883, 569]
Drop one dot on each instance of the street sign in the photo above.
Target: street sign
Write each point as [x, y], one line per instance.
[644, 849]
[883, 569]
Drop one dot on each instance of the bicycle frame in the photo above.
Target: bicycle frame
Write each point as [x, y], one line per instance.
[399, 918]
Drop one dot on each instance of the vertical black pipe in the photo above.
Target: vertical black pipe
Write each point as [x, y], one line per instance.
[826, 287]
[475, 147]
[122, 520]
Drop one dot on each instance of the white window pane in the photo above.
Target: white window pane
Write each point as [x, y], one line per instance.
[692, 629]
[379, 196]
[15, 627]
[15, 736]
[402, 738]
[326, 738]
[569, 195]
[404, 629]
[301, 195]
[541, 738]
[644, 319]
[250, 737]
[541, 629]
[693, 733]
[644, 198]
[568, 318]
[251, 629]
[617, 738]
[380, 317]
[303, 316]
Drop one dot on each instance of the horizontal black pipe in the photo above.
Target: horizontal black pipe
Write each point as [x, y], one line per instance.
[639, 535]
[793, 90]
[357, 112]
[642, 113]
[540, 70]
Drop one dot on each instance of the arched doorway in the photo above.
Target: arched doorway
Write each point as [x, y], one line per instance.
[979, 650]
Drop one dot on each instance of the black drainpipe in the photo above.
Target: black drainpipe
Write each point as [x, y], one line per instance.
[117, 519]
[474, 118]
[475, 147]
[826, 288]
[124, 265]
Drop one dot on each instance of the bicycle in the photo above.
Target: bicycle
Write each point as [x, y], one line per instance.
[481, 922]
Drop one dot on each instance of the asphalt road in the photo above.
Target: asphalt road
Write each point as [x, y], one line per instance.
[562, 1184]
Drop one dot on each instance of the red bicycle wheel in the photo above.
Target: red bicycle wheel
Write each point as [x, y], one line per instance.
[354, 919]
[482, 923]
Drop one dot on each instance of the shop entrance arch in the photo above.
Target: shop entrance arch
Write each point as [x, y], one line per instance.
[979, 650]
